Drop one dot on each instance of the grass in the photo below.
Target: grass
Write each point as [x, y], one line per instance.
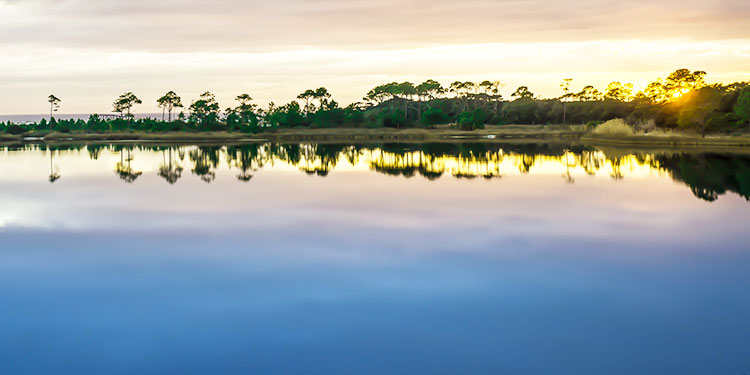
[616, 127]
[614, 133]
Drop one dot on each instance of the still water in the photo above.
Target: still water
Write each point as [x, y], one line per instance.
[390, 258]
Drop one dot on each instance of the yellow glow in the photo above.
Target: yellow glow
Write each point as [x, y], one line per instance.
[313, 160]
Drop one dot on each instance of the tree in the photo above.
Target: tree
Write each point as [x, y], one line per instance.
[742, 106]
[462, 90]
[565, 86]
[588, 94]
[322, 95]
[54, 105]
[245, 109]
[698, 106]
[618, 91]
[491, 92]
[205, 110]
[406, 90]
[125, 103]
[523, 92]
[169, 102]
[307, 96]
[682, 81]
[379, 94]
[434, 116]
[428, 90]
[656, 92]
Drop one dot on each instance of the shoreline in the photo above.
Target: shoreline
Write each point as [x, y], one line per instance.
[503, 133]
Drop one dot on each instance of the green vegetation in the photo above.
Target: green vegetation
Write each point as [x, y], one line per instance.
[681, 102]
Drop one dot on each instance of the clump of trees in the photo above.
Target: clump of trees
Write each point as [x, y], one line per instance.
[681, 101]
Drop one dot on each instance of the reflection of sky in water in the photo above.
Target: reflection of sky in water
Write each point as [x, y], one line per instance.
[364, 272]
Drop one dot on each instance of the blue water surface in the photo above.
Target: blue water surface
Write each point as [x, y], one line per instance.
[360, 272]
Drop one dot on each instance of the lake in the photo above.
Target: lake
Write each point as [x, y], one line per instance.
[374, 259]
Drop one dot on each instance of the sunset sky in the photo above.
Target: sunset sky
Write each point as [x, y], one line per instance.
[88, 52]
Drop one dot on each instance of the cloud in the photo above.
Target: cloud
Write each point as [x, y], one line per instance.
[90, 51]
[230, 25]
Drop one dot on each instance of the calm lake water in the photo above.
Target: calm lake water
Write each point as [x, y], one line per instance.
[395, 258]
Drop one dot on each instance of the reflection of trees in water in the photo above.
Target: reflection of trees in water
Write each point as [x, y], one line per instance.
[123, 168]
[170, 170]
[54, 174]
[707, 175]
[205, 159]
[95, 150]
[246, 158]
[710, 175]
[320, 159]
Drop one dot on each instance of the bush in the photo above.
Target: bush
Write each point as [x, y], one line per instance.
[62, 128]
[15, 129]
[722, 122]
[395, 119]
[434, 116]
[591, 125]
[614, 127]
[471, 120]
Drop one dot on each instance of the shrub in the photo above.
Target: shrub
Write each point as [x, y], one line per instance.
[614, 127]
[722, 122]
[471, 120]
[62, 128]
[591, 125]
[15, 129]
[434, 116]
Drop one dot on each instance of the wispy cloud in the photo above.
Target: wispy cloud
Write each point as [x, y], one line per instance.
[89, 51]
[170, 25]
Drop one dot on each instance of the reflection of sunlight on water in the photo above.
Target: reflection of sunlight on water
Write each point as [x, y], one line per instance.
[498, 164]
[707, 175]
[312, 160]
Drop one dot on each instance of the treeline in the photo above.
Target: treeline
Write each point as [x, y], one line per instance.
[680, 101]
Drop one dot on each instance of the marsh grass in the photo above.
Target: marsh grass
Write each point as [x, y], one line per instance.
[614, 127]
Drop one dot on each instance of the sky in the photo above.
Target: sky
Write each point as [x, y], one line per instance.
[88, 52]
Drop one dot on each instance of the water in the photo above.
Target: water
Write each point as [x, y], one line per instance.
[437, 258]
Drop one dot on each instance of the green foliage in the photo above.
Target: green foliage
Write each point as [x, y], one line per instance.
[62, 127]
[15, 129]
[742, 106]
[722, 122]
[125, 103]
[169, 102]
[204, 112]
[523, 93]
[434, 116]
[681, 99]
[697, 107]
[471, 120]
[392, 119]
